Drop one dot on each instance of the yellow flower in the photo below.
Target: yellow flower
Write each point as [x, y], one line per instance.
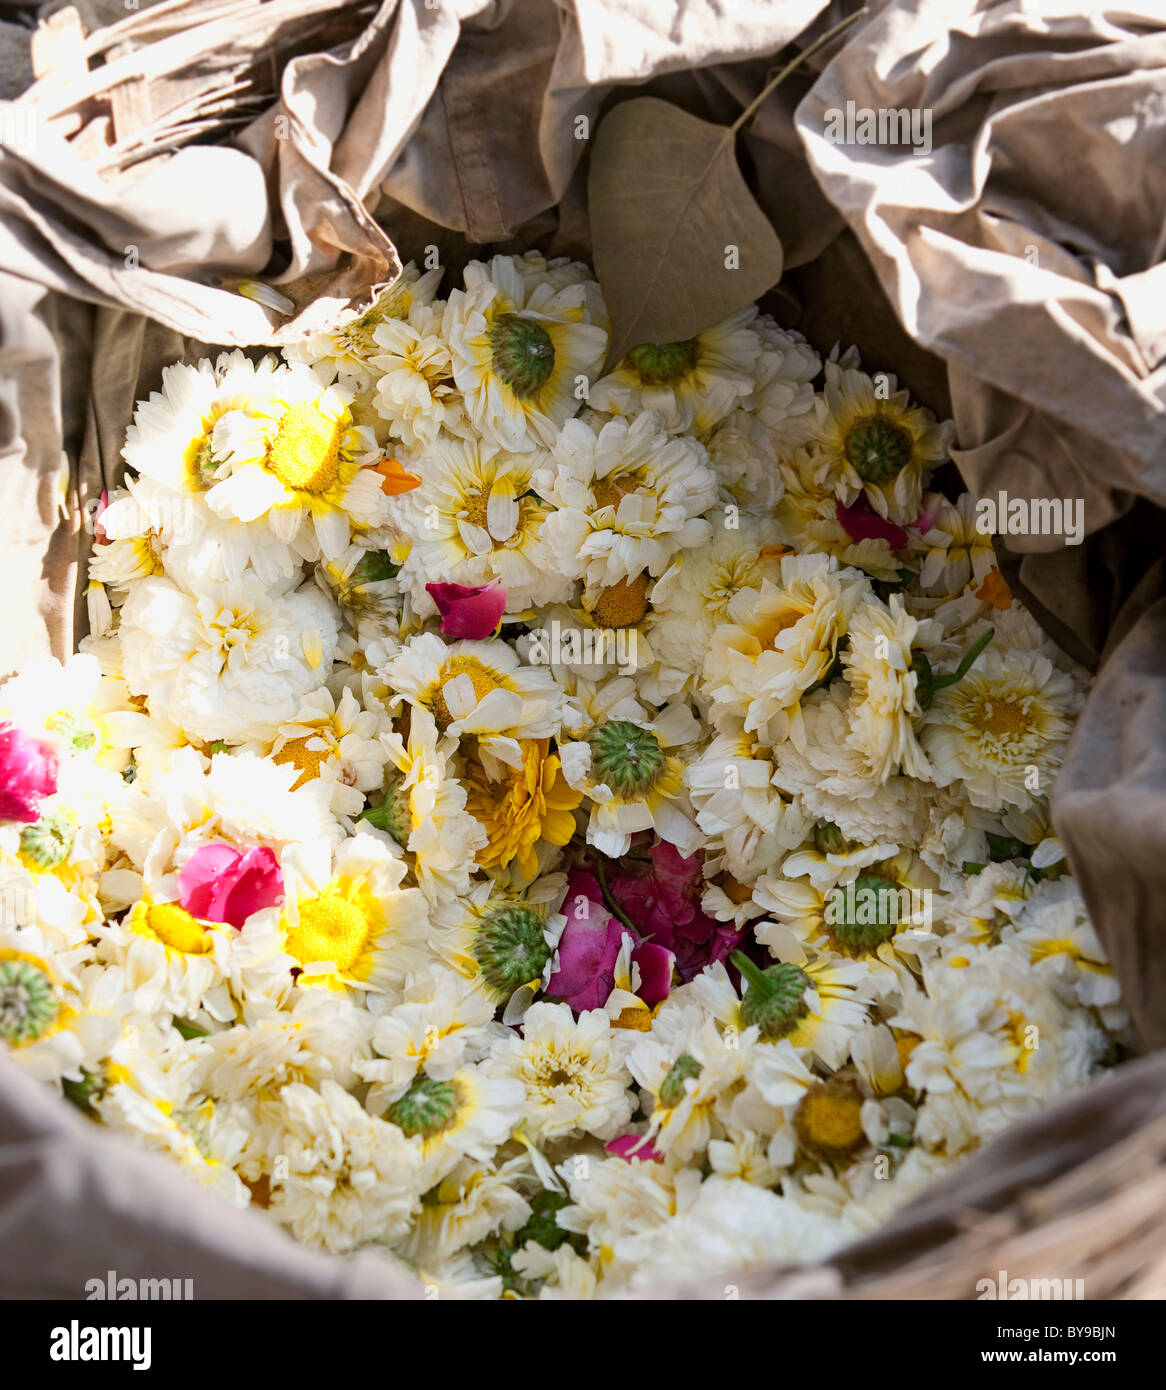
[532, 803]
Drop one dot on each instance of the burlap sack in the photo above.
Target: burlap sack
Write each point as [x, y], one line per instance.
[342, 131]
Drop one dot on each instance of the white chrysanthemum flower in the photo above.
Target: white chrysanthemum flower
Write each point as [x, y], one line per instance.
[631, 768]
[749, 824]
[170, 445]
[169, 959]
[955, 551]
[471, 1114]
[877, 443]
[884, 702]
[691, 384]
[321, 1037]
[478, 688]
[230, 662]
[347, 1178]
[423, 808]
[474, 519]
[882, 917]
[338, 743]
[996, 1045]
[297, 460]
[149, 1097]
[818, 1006]
[472, 1202]
[830, 781]
[1001, 730]
[730, 1227]
[347, 352]
[519, 347]
[238, 797]
[363, 582]
[627, 498]
[1054, 932]
[56, 1017]
[572, 1073]
[415, 392]
[503, 937]
[614, 1197]
[443, 1019]
[808, 513]
[694, 594]
[773, 420]
[779, 642]
[347, 921]
[683, 1082]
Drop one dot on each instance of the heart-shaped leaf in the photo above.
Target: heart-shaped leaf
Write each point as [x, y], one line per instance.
[679, 242]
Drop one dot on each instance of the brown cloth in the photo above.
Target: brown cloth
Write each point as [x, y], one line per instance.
[1016, 271]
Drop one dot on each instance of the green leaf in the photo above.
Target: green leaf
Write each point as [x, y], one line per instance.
[667, 199]
[189, 1030]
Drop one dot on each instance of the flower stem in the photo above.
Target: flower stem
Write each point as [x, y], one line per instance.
[754, 106]
[750, 971]
[938, 682]
[613, 907]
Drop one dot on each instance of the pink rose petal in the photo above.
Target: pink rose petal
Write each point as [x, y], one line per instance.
[469, 612]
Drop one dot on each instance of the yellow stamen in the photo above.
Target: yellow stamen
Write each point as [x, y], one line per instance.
[622, 604]
[305, 453]
[330, 929]
[175, 927]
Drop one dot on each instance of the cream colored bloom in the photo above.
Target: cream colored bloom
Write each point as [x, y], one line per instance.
[626, 499]
[779, 642]
[1001, 731]
[477, 517]
[572, 1072]
[231, 661]
[519, 347]
[691, 384]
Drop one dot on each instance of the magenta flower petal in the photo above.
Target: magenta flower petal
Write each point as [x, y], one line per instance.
[219, 884]
[258, 884]
[588, 947]
[28, 773]
[631, 1146]
[862, 523]
[469, 612]
[655, 964]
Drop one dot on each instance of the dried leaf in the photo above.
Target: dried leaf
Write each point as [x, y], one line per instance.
[679, 241]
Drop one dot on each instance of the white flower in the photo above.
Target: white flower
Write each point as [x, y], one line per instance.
[423, 808]
[414, 390]
[519, 347]
[347, 352]
[829, 780]
[338, 743]
[478, 688]
[441, 1020]
[572, 1073]
[476, 518]
[691, 384]
[633, 780]
[884, 703]
[347, 920]
[230, 662]
[730, 1227]
[627, 498]
[346, 1178]
[1001, 731]
[779, 641]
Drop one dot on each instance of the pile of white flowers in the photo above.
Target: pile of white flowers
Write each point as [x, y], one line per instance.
[567, 831]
